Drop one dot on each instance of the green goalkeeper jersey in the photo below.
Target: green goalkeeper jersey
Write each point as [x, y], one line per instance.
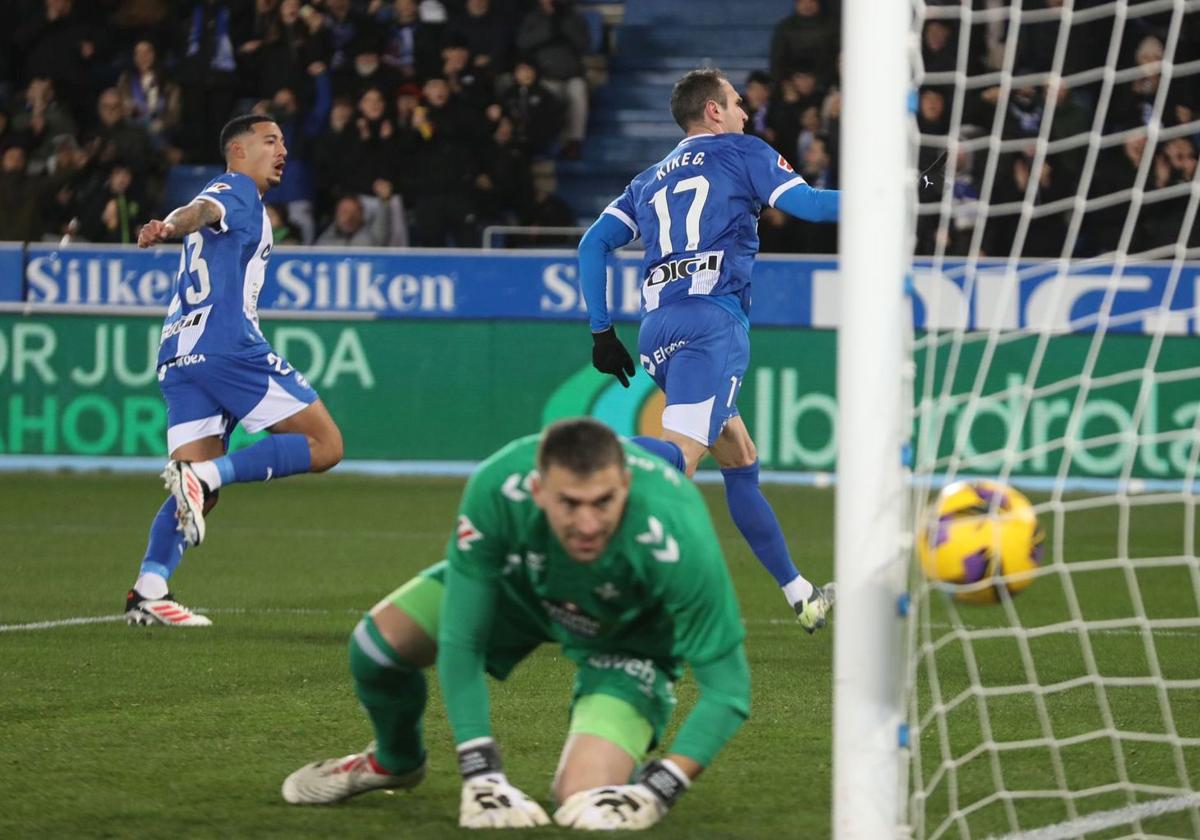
[659, 592]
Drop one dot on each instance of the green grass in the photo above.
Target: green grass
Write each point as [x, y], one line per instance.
[111, 731]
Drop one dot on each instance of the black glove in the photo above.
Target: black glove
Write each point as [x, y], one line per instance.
[610, 356]
[929, 185]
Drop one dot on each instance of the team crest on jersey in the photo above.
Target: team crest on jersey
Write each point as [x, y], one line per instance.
[784, 165]
[466, 533]
[221, 186]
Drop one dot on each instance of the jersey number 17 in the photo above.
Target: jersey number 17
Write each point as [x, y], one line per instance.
[697, 185]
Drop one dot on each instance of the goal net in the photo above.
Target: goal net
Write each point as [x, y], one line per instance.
[1056, 300]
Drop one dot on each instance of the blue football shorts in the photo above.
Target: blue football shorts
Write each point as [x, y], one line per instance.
[208, 394]
[697, 353]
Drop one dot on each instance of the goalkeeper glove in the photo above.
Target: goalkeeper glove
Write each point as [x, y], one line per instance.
[630, 807]
[488, 800]
[610, 356]
[929, 185]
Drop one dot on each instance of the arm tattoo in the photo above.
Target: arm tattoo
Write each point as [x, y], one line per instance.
[191, 217]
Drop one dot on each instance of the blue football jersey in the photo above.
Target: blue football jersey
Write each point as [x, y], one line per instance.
[697, 213]
[221, 270]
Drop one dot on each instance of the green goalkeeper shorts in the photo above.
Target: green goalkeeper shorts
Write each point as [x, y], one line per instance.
[645, 687]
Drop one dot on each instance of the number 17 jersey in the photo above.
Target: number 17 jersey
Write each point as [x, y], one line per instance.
[214, 309]
[697, 213]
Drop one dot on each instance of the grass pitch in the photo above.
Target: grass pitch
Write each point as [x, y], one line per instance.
[112, 731]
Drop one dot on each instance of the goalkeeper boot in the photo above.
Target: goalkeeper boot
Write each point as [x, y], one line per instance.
[165, 611]
[812, 611]
[189, 492]
[336, 779]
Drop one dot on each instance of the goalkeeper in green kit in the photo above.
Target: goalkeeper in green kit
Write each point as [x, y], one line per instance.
[584, 540]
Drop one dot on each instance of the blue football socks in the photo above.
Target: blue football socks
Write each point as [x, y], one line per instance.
[164, 549]
[756, 520]
[272, 457]
[665, 449]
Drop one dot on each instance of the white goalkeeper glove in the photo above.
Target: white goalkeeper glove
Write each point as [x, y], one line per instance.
[488, 800]
[626, 807]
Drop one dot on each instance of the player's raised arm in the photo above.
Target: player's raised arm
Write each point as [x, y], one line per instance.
[775, 184]
[614, 228]
[181, 221]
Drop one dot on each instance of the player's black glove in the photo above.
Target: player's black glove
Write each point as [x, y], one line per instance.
[610, 356]
[929, 185]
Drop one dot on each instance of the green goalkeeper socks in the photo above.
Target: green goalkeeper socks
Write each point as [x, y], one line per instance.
[393, 693]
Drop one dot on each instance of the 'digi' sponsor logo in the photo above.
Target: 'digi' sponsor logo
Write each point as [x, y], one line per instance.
[641, 670]
[572, 618]
[192, 319]
[665, 272]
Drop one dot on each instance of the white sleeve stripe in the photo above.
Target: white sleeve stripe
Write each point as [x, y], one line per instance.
[784, 187]
[220, 206]
[620, 214]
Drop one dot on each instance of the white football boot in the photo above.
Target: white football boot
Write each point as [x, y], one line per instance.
[335, 779]
[812, 612]
[189, 493]
[164, 611]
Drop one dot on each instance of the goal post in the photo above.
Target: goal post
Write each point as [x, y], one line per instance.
[870, 563]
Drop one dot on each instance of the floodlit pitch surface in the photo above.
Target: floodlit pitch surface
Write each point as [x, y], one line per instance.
[112, 731]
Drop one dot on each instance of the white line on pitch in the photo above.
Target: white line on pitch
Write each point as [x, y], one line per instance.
[1108, 819]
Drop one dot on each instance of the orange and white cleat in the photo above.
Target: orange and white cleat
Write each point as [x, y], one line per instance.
[335, 779]
[165, 611]
[189, 492]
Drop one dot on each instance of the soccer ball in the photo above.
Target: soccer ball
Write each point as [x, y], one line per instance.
[981, 538]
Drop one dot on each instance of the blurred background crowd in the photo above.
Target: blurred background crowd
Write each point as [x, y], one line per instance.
[420, 122]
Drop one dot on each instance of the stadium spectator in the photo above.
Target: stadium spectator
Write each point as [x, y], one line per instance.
[59, 45]
[295, 42]
[443, 170]
[806, 38]
[150, 98]
[73, 176]
[42, 120]
[1046, 233]
[372, 170]
[117, 139]
[412, 46]
[548, 209]
[939, 47]
[23, 196]
[297, 190]
[471, 84]
[810, 130]
[283, 232]
[797, 92]
[756, 100]
[1116, 172]
[350, 229]
[366, 70]
[485, 34]
[331, 148]
[555, 37]
[208, 30]
[114, 212]
[504, 182]
[344, 24]
[536, 112]
[1175, 164]
[933, 117]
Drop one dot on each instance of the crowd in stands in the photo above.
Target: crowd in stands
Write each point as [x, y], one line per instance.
[418, 121]
[406, 122]
[796, 106]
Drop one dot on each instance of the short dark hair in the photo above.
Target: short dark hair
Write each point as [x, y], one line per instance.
[238, 126]
[581, 445]
[693, 92]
